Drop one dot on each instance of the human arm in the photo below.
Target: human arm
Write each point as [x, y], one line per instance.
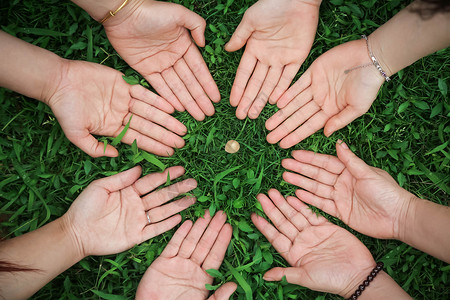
[369, 200]
[342, 83]
[179, 272]
[108, 217]
[323, 256]
[155, 39]
[89, 98]
[278, 37]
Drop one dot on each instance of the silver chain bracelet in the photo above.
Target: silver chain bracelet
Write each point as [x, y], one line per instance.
[374, 60]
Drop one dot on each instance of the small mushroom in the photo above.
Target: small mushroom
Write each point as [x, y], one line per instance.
[232, 146]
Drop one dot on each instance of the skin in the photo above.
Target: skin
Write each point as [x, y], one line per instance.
[157, 40]
[179, 272]
[89, 98]
[327, 97]
[115, 206]
[278, 36]
[369, 200]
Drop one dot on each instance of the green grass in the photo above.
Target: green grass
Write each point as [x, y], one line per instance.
[406, 133]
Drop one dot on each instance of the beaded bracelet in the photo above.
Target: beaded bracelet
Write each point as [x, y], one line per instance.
[374, 60]
[366, 282]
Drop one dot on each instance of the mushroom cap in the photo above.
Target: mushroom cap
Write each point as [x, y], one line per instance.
[232, 146]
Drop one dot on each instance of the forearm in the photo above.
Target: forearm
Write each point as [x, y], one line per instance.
[48, 251]
[28, 69]
[426, 227]
[98, 9]
[408, 37]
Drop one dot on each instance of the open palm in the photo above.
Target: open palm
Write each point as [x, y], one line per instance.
[179, 273]
[366, 198]
[279, 36]
[326, 95]
[94, 99]
[324, 257]
[155, 41]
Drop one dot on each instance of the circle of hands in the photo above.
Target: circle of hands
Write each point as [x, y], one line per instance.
[156, 42]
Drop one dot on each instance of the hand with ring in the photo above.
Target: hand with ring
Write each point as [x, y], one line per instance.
[115, 213]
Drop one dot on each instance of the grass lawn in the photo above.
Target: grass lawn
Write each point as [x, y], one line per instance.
[406, 132]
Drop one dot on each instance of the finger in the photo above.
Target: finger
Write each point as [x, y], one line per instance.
[217, 253]
[252, 89]
[174, 244]
[197, 65]
[160, 213]
[315, 187]
[120, 180]
[274, 214]
[151, 181]
[294, 275]
[209, 237]
[287, 76]
[163, 89]
[327, 162]
[86, 142]
[315, 123]
[154, 131]
[302, 83]
[157, 116]
[240, 36]
[146, 143]
[326, 205]
[156, 229]
[180, 91]
[342, 119]
[194, 23]
[353, 163]
[311, 171]
[272, 78]
[287, 128]
[194, 87]
[312, 218]
[296, 104]
[243, 73]
[280, 242]
[191, 241]
[224, 292]
[141, 93]
[161, 196]
[294, 217]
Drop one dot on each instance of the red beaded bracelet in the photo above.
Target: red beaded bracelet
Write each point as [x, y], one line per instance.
[366, 282]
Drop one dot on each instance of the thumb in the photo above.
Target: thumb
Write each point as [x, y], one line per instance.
[92, 146]
[194, 23]
[353, 163]
[293, 275]
[240, 36]
[342, 119]
[121, 180]
[224, 292]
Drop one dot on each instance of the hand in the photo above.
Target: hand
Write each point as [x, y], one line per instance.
[365, 198]
[279, 35]
[179, 273]
[94, 99]
[118, 208]
[154, 40]
[324, 257]
[326, 96]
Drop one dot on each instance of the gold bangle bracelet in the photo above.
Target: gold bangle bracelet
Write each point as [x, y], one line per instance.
[113, 13]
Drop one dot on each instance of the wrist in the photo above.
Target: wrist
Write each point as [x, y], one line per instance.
[73, 236]
[54, 82]
[357, 279]
[312, 2]
[380, 53]
[406, 219]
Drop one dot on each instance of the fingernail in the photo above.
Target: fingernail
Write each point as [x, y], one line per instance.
[344, 145]
[267, 278]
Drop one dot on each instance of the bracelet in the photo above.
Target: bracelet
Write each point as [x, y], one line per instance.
[113, 13]
[368, 280]
[374, 60]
